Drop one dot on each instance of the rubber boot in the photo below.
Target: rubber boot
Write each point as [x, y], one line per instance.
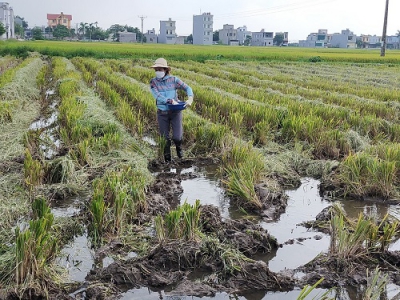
[178, 145]
[167, 151]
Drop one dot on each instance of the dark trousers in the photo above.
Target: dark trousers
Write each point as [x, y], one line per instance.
[170, 119]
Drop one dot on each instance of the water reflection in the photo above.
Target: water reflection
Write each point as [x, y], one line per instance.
[304, 204]
[204, 187]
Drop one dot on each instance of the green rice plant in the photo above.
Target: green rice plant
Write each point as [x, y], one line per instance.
[381, 177]
[77, 133]
[6, 111]
[308, 289]
[41, 78]
[33, 171]
[364, 174]
[236, 122]
[381, 234]
[348, 244]
[98, 208]
[108, 141]
[240, 183]
[181, 223]
[261, 133]
[35, 247]
[71, 111]
[376, 285]
[119, 206]
[68, 87]
[212, 138]
[32, 140]
[159, 225]
[81, 153]
[162, 143]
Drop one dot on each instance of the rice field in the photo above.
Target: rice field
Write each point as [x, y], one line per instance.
[266, 117]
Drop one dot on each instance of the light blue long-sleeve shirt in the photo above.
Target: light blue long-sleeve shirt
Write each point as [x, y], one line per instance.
[165, 88]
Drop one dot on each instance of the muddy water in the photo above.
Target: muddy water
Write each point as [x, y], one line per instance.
[304, 204]
[299, 245]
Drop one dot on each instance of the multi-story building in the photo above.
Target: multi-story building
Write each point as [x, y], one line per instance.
[203, 29]
[59, 19]
[393, 42]
[167, 32]
[318, 39]
[262, 38]
[375, 41]
[7, 18]
[345, 39]
[285, 40]
[243, 34]
[228, 34]
[151, 36]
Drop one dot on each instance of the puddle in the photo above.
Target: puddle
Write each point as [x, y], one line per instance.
[304, 204]
[67, 207]
[50, 144]
[147, 294]
[77, 258]
[204, 187]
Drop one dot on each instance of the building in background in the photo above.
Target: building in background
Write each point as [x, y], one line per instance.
[127, 37]
[345, 39]
[7, 19]
[285, 35]
[320, 39]
[228, 35]
[262, 38]
[167, 32]
[203, 29]
[151, 36]
[59, 19]
[243, 34]
[393, 42]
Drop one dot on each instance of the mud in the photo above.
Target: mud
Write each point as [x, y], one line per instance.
[172, 263]
[197, 267]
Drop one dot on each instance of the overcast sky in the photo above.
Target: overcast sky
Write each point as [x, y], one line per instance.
[298, 17]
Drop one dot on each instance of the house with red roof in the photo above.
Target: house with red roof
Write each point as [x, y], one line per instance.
[59, 19]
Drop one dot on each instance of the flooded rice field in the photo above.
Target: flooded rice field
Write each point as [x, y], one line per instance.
[298, 245]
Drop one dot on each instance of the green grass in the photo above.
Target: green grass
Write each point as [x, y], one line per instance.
[194, 52]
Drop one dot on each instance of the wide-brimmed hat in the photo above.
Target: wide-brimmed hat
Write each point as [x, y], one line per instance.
[161, 63]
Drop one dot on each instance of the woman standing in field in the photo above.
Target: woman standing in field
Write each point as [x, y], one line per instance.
[164, 89]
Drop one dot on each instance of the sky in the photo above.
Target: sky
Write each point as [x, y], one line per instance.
[298, 17]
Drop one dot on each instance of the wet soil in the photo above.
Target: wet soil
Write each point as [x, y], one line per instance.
[197, 267]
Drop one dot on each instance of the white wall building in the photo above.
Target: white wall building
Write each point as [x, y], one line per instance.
[242, 34]
[151, 36]
[262, 38]
[167, 32]
[393, 42]
[203, 29]
[318, 39]
[285, 37]
[345, 39]
[7, 18]
[227, 34]
[127, 37]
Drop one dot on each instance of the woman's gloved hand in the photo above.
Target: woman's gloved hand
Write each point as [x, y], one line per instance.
[189, 101]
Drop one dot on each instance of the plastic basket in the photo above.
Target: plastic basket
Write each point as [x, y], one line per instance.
[179, 106]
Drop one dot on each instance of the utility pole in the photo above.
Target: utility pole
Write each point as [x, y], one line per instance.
[383, 49]
[142, 17]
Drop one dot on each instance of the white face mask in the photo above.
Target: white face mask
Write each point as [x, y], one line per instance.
[160, 74]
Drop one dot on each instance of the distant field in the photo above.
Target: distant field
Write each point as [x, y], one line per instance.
[197, 53]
